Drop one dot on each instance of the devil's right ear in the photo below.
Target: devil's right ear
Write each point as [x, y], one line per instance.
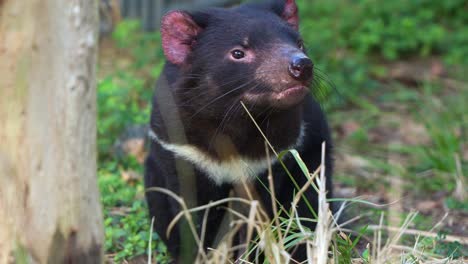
[178, 32]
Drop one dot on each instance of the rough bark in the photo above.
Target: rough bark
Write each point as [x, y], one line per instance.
[49, 201]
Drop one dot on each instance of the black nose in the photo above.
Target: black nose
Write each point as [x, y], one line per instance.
[301, 68]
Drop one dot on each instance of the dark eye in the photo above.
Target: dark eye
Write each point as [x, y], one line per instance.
[300, 45]
[238, 54]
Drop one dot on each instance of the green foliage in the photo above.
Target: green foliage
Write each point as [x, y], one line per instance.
[125, 32]
[346, 39]
[336, 66]
[453, 250]
[392, 29]
[122, 100]
[125, 217]
[445, 124]
[145, 48]
[124, 97]
[454, 204]
[346, 248]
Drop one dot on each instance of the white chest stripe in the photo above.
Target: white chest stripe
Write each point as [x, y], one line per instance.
[231, 171]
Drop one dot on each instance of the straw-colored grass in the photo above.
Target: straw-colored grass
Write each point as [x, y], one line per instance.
[273, 239]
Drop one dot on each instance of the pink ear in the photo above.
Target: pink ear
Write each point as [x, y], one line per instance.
[290, 13]
[178, 33]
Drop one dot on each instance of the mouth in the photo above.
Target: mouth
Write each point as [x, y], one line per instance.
[289, 97]
[282, 99]
[292, 93]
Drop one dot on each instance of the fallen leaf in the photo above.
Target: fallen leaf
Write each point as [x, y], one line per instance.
[136, 148]
[348, 128]
[427, 206]
[130, 175]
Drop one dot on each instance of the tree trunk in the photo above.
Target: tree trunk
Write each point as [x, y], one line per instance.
[49, 203]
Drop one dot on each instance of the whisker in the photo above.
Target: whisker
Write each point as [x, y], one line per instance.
[222, 122]
[232, 111]
[206, 91]
[199, 94]
[323, 86]
[221, 96]
[236, 109]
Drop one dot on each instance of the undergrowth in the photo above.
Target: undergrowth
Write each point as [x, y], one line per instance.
[350, 42]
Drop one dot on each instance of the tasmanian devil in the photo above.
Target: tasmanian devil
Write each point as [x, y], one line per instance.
[203, 140]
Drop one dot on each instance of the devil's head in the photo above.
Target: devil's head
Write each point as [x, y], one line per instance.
[252, 53]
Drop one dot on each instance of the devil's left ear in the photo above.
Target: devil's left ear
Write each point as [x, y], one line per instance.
[290, 13]
[286, 9]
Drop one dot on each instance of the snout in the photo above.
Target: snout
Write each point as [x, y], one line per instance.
[284, 76]
[301, 68]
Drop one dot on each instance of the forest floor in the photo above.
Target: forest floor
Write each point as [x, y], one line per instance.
[401, 146]
[392, 150]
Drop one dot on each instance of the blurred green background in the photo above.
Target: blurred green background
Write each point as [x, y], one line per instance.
[395, 90]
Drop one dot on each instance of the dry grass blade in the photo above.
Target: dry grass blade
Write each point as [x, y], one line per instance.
[251, 220]
[414, 232]
[185, 212]
[270, 238]
[385, 252]
[259, 129]
[298, 197]
[203, 230]
[150, 240]
[324, 230]
[273, 195]
[460, 189]
[204, 207]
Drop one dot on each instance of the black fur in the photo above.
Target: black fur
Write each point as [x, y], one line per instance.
[201, 87]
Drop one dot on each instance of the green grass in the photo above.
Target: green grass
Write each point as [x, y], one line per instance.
[123, 100]
[351, 42]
